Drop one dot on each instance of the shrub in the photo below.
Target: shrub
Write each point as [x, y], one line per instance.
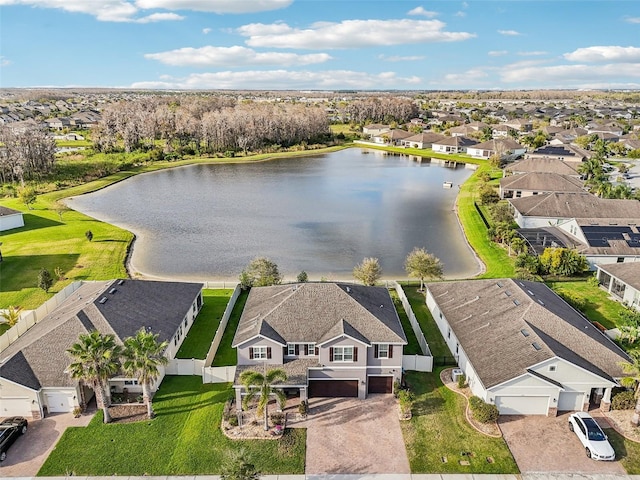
[233, 421]
[405, 398]
[624, 401]
[277, 418]
[303, 408]
[482, 411]
[462, 381]
[397, 386]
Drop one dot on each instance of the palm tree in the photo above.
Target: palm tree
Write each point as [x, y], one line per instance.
[96, 358]
[590, 168]
[632, 380]
[11, 315]
[143, 354]
[263, 385]
[422, 264]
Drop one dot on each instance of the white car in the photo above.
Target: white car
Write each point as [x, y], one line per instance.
[593, 439]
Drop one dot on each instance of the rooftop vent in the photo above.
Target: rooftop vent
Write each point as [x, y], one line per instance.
[525, 332]
[536, 345]
[121, 282]
[348, 289]
[541, 302]
[499, 284]
[112, 291]
[507, 293]
[531, 293]
[103, 300]
[516, 302]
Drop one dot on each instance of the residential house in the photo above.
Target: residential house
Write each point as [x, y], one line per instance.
[569, 135]
[422, 140]
[10, 219]
[34, 380]
[331, 339]
[501, 131]
[566, 153]
[507, 148]
[452, 145]
[59, 123]
[621, 281]
[521, 125]
[542, 165]
[523, 348]
[631, 143]
[537, 183]
[391, 137]
[375, 129]
[613, 129]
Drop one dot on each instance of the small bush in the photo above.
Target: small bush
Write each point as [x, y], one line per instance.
[482, 411]
[303, 408]
[624, 401]
[277, 418]
[462, 381]
[397, 386]
[233, 421]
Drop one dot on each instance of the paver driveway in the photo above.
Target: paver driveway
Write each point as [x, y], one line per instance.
[545, 444]
[347, 435]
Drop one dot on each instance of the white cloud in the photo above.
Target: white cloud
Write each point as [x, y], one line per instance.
[126, 10]
[604, 54]
[206, 31]
[159, 17]
[569, 75]
[4, 62]
[509, 33]
[460, 13]
[284, 79]
[465, 77]
[465, 5]
[216, 6]
[398, 58]
[233, 56]
[350, 34]
[534, 53]
[497, 53]
[422, 12]
[633, 19]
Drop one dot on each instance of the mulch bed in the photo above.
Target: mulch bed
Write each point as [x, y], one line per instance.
[131, 412]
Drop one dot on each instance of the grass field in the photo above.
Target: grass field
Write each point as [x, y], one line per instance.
[201, 333]
[428, 325]
[412, 347]
[439, 430]
[627, 452]
[184, 439]
[226, 356]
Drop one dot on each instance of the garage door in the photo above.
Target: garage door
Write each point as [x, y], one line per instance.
[12, 407]
[380, 384]
[59, 402]
[570, 401]
[333, 388]
[522, 405]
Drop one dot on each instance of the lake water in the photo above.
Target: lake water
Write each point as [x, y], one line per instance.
[322, 214]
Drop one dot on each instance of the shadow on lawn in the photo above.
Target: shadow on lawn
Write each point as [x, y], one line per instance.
[21, 271]
[34, 222]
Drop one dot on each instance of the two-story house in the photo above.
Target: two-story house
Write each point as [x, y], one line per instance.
[331, 339]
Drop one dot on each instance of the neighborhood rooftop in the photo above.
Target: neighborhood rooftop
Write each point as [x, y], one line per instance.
[576, 205]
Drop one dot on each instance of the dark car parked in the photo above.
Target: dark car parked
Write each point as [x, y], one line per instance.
[10, 429]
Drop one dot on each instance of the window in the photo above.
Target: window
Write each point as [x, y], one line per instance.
[343, 354]
[382, 351]
[448, 332]
[131, 382]
[310, 349]
[552, 368]
[291, 349]
[259, 353]
[620, 260]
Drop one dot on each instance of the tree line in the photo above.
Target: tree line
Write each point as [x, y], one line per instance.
[25, 153]
[207, 125]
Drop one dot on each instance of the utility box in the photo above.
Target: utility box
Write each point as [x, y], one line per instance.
[456, 373]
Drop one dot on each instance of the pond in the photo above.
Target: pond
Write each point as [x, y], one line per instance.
[322, 214]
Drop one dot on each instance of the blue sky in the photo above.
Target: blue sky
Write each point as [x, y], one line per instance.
[318, 44]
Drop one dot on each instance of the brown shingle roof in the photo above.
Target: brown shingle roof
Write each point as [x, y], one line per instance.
[629, 272]
[576, 205]
[549, 165]
[542, 182]
[488, 317]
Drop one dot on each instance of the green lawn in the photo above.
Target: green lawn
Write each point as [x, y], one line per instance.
[495, 258]
[598, 307]
[439, 429]
[428, 325]
[627, 452]
[226, 355]
[412, 347]
[201, 333]
[184, 439]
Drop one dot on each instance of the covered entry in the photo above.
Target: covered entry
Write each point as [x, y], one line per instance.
[379, 384]
[333, 388]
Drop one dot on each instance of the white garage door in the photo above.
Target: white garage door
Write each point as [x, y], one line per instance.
[10, 407]
[522, 405]
[570, 401]
[59, 402]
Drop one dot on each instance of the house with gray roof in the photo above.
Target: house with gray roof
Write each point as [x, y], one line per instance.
[34, 380]
[422, 140]
[544, 165]
[523, 348]
[457, 144]
[332, 339]
[506, 148]
[10, 219]
[537, 183]
[622, 281]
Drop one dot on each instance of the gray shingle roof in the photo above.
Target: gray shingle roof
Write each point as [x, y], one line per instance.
[628, 272]
[296, 370]
[308, 312]
[542, 182]
[549, 165]
[4, 211]
[576, 205]
[136, 303]
[489, 320]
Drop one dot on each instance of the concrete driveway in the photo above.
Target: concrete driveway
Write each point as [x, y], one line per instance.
[545, 444]
[347, 435]
[28, 453]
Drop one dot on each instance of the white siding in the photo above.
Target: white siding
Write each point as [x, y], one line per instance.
[8, 222]
[522, 405]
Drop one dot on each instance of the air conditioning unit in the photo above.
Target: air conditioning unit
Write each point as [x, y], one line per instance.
[456, 373]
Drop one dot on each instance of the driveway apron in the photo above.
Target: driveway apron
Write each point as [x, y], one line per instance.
[347, 435]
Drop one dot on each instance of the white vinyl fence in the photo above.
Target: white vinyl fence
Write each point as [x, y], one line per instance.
[411, 362]
[29, 318]
[183, 366]
[218, 374]
[223, 325]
